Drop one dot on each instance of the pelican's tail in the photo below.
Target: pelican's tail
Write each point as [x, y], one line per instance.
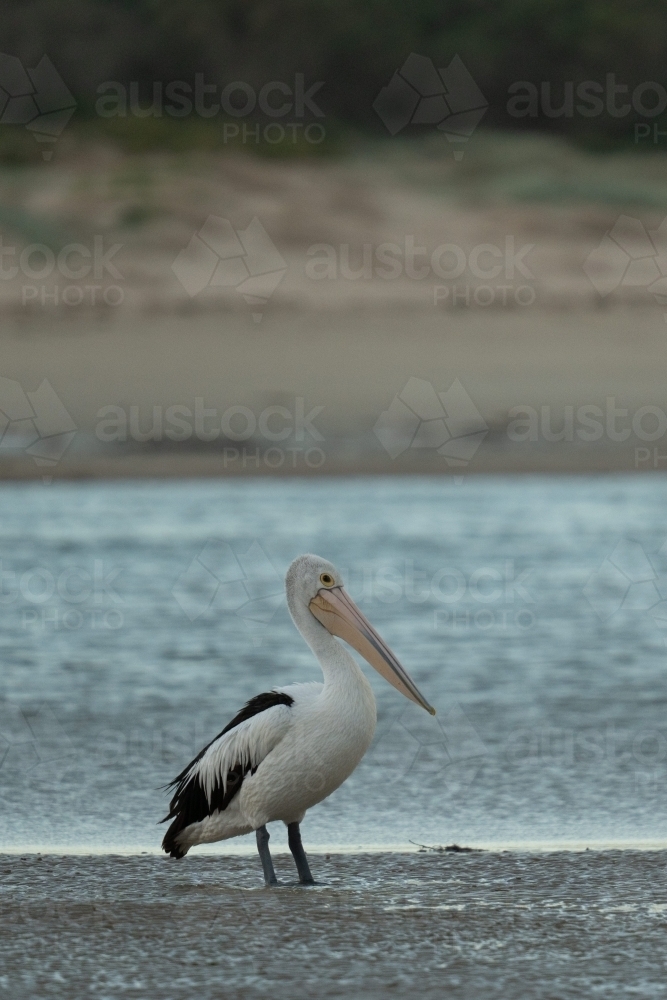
[181, 835]
[195, 820]
[175, 840]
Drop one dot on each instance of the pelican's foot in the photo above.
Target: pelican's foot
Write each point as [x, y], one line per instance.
[299, 855]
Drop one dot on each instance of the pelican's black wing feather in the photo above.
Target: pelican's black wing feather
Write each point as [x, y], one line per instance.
[189, 803]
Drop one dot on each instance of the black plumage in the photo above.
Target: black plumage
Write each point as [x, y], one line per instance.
[189, 803]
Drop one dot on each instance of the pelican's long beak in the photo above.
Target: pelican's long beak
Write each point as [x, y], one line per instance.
[339, 614]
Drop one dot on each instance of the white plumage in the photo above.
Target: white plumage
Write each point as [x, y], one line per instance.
[292, 747]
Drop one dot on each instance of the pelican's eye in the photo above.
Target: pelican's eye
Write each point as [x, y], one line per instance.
[327, 579]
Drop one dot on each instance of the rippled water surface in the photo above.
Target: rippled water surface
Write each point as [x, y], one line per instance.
[136, 618]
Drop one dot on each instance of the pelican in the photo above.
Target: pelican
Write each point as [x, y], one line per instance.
[290, 748]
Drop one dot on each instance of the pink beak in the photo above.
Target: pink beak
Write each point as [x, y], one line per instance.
[340, 616]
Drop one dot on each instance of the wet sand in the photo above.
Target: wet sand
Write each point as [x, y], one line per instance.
[346, 367]
[459, 925]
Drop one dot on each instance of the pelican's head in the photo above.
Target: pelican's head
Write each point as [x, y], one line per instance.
[314, 584]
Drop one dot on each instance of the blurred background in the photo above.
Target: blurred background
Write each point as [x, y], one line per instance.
[252, 204]
[410, 259]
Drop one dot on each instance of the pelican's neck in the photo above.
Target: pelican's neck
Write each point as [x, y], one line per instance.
[338, 666]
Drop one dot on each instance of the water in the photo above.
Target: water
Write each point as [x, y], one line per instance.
[550, 694]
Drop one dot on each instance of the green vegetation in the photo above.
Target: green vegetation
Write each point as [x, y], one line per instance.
[354, 48]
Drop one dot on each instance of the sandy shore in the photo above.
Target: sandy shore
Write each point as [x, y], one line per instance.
[460, 925]
[345, 368]
[344, 339]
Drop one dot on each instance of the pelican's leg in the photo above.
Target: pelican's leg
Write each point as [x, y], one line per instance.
[265, 856]
[298, 853]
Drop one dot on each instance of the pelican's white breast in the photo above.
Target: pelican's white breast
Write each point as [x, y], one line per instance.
[330, 730]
